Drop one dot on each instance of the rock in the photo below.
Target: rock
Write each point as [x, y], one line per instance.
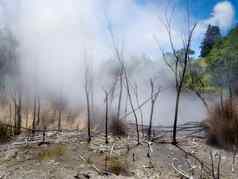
[10, 154]
[87, 174]
[3, 174]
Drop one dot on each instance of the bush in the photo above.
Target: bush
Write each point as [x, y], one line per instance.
[222, 125]
[5, 133]
[118, 166]
[118, 128]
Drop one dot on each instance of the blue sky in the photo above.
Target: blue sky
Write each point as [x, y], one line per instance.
[216, 12]
[200, 8]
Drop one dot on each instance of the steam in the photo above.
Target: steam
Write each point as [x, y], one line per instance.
[58, 39]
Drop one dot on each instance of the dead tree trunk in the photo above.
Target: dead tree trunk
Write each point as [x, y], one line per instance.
[120, 59]
[38, 111]
[34, 116]
[59, 120]
[18, 117]
[89, 116]
[10, 113]
[106, 118]
[153, 100]
[179, 68]
[27, 117]
[141, 112]
[120, 94]
[87, 93]
[15, 114]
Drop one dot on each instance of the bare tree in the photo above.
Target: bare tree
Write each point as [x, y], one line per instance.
[38, 109]
[153, 100]
[34, 115]
[18, 114]
[87, 93]
[120, 93]
[180, 66]
[139, 107]
[106, 116]
[119, 56]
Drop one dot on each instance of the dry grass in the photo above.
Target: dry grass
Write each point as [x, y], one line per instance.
[118, 166]
[222, 125]
[52, 152]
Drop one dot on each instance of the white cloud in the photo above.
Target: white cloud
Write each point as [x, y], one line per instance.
[222, 15]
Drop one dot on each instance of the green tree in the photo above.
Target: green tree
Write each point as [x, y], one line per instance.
[223, 61]
[212, 35]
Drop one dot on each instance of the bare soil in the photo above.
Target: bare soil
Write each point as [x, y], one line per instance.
[69, 156]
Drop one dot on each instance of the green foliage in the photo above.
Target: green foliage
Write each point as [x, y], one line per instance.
[197, 79]
[211, 37]
[223, 60]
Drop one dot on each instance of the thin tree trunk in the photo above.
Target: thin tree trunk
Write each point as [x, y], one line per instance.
[27, 117]
[15, 115]
[38, 110]
[19, 118]
[59, 120]
[10, 113]
[176, 116]
[34, 116]
[120, 59]
[141, 113]
[133, 109]
[89, 116]
[120, 95]
[106, 118]
[152, 109]
[204, 102]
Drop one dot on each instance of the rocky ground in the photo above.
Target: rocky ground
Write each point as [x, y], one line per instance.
[69, 156]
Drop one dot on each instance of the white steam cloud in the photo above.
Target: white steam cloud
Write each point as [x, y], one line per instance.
[58, 37]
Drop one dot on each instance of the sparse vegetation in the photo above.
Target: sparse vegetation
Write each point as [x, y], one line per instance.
[118, 128]
[6, 133]
[52, 152]
[118, 165]
[222, 125]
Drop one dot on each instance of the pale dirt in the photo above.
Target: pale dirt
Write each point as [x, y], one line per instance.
[82, 160]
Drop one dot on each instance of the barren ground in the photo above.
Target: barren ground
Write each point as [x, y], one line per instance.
[69, 156]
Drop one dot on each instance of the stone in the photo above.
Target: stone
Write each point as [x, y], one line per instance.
[10, 154]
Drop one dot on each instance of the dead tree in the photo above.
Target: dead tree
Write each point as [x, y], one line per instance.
[106, 116]
[38, 110]
[119, 57]
[60, 106]
[140, 109]
[34, 116]
[87, 93]
[153, 100]
[59, 120]
[10, 112]
[27, 117]
[180, 66]
[120, 93]
[19, 116]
